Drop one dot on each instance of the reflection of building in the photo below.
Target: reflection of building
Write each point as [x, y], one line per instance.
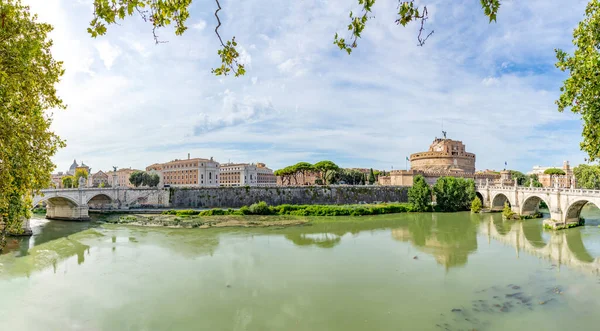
[242, 174]
[445, 157]
[188, 172]
[564, 181]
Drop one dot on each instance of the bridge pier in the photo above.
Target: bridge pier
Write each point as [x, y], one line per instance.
[67, 212]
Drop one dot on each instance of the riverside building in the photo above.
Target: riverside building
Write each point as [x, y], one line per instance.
[190, 172]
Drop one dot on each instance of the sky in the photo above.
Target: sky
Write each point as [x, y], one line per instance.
[132, 102]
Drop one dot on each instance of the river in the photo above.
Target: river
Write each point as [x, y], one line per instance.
[453, 271]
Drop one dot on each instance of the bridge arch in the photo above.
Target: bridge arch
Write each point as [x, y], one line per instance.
[100, 201]
[480, 196]
[499, 200]
[574, 210]
[531, 204]
[60, 200]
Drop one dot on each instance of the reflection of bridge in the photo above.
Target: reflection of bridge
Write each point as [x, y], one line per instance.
[564, 247]
[74, 204]
[564, 204]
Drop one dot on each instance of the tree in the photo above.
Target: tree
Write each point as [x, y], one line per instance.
[153, 180]
[554, 171]
[581, 90]
[476, 205]
[303, 168]
[371, 177]
[534, 178]
[419, 195]
[78, 174]
[350, 176]
[454, 194]
[286, 175]
[326, 168]
[28, 75]
[102, 185]
[520, 177]
[67, 181]
[161, 14]
[587, 176]
[136, 178]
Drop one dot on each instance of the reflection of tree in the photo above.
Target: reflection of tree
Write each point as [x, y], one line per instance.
[323, 240]
[47, 254]
[450, 238]
[46, 232]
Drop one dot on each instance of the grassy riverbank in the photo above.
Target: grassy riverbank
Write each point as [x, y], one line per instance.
[202, 222]
[261, 208]
[255, 215]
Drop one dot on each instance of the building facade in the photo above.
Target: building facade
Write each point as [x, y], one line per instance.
[190, 172]
[301, 179]
[120, 178]
[244, 174]
[560, 181]
[445, 157]
[56, 179]
[99, 179]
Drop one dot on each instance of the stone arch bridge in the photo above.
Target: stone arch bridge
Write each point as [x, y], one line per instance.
[564, 204]
[74, 204]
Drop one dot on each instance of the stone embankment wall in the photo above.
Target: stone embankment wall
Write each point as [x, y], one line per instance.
[235, 197]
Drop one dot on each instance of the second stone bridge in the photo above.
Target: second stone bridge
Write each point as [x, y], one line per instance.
[564, 204]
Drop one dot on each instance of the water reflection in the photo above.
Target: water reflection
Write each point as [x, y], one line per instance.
[565, 247]
[448, 238]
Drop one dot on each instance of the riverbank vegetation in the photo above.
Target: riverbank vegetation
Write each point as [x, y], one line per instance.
[453, 194]
[476, 205]
[262, 209]
[419, 195]
[196, 221]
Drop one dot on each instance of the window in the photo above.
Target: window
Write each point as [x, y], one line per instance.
[202, 176]
[210, 175]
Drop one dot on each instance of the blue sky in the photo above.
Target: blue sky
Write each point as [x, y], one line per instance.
[132, 103]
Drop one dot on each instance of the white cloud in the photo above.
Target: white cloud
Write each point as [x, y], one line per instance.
[108, 53]
[200, 25]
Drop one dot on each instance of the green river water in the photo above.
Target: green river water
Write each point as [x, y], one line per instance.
[438, 271]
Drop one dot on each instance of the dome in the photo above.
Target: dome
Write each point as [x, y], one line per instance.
[74, 165]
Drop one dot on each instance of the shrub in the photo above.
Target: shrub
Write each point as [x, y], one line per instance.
[507, 212]
[244, 211]
[260, 208]
[215, 212]
[476, 205]
[186, 212]
[454, 194]
[419, 195]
